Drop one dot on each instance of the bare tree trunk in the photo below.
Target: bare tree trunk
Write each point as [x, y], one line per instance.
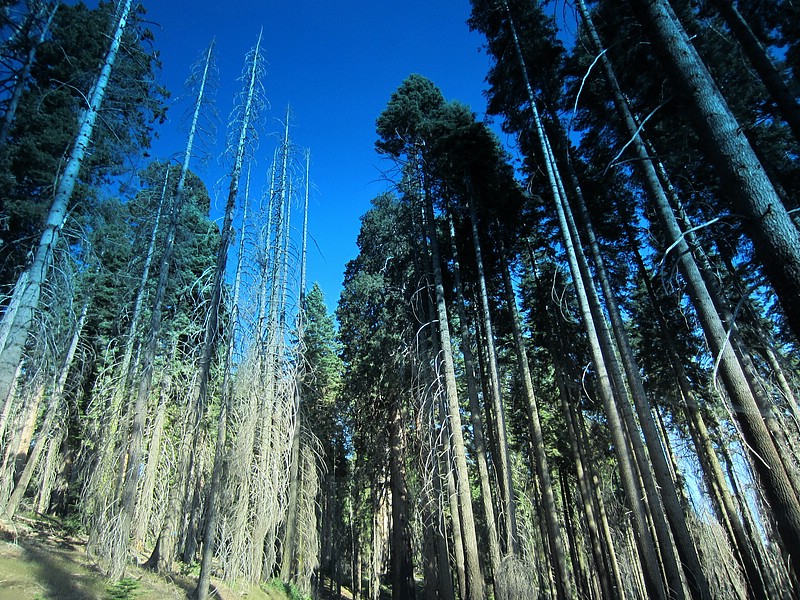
[145, 505]
[254, 70]
[51, 414]
[29, 284]
[289, 542]
[137, 304]
[138, 410]
[49, 471]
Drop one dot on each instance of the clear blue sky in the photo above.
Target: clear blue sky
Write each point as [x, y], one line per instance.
[336, 63]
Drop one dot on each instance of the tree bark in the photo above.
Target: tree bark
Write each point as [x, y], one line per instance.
[555, 542]
[775, 237]
[28, 288]
[475, 583]
[644, 540]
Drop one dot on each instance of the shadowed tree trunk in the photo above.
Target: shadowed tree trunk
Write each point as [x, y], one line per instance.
[555, 542]
[775, 237]
[768, 462]
[402, 566]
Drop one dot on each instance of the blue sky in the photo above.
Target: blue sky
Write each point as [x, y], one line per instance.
[336, 63]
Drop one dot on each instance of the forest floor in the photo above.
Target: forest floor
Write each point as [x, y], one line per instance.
[41, 560]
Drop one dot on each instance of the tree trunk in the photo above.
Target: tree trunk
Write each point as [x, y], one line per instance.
[644, 540]
[210, 337]
[758, 583]
[503, 464]
[775, 238]
[768, 462]
[48, 471]
[29, 284]
[475, 411]
[475, 584]
[51, 414]
[610, 589]
[145, 506]
[666, 486]
[138, 411]
[401, 556]
[555, 542]
[770, 76]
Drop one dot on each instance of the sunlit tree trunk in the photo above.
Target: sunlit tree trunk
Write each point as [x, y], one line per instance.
[48, 470]
[769, 464]
[133, 471]
[166, 543]
[145, 506]
[131, 465]
[475, 411]
[226, 403]
[666, 486]
[644, 540]
[16, 326]
[52, 412]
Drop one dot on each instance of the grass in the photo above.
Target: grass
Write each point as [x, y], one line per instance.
[41, 560]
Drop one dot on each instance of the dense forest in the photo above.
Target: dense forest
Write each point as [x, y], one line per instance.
[564, 369]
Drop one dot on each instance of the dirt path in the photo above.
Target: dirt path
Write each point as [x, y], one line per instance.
[40, 561]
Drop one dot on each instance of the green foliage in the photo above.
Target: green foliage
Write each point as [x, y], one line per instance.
[47, 119]
[124, 589]
[289, 589]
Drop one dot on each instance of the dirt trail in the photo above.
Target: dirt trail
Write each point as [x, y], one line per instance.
[40, 561]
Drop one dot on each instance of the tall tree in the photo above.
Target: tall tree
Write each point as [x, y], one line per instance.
[775, 237]
[251, 103]
[405, 128]
[27, 292]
